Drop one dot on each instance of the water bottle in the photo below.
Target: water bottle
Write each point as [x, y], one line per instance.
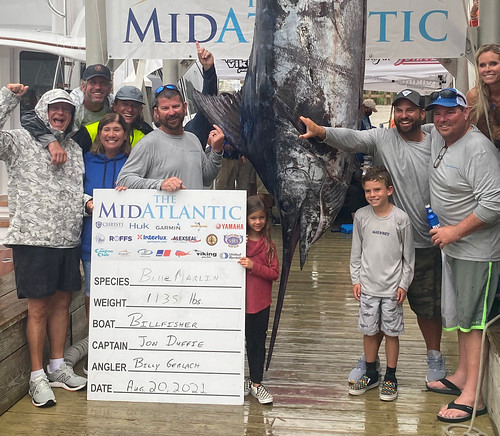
[367, 163]
[432, 218]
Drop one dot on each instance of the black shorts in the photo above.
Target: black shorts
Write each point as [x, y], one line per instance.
[41, 271]
[424, 294]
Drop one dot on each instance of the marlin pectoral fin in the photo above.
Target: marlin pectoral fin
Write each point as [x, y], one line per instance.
[223, 110]
[285, 111]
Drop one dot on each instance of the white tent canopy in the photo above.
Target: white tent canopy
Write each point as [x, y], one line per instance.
[424, 75]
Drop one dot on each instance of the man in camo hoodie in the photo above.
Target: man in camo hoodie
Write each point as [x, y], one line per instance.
[46, 207]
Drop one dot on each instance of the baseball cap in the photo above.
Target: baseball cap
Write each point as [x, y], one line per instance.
[95, 71]
[411, 95]
[449, 97]
[370, 104]
[129, 93]
[61, 98]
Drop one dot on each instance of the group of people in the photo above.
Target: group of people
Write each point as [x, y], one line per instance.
[54, 167]
[452, 165]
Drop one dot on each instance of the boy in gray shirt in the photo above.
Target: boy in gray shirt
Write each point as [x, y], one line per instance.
[382, 265]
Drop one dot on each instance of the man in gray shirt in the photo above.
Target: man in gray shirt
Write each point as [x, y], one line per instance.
[465, 194]
[170, 158]
[405, 152]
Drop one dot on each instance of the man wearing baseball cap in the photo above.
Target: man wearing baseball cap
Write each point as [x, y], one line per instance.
[367, 108]
[465, 195]
[47, 208]
[96, 87]
[406, 152]
[128, 103]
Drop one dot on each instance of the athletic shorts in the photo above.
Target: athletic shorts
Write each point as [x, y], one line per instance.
[469, 296]
[424, 293]
[41, 271]
[380, 314]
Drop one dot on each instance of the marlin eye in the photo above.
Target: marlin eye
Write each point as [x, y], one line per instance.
[286, 206]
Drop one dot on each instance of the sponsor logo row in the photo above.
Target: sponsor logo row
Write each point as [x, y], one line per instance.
[231, 240]
[146, 252]
[169, 227]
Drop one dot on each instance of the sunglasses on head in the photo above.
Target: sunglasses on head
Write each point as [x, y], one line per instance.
[445, 93]
[169, 86]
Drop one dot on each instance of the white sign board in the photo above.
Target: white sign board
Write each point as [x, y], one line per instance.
[417, 29]
[158, 29]
[167, 296]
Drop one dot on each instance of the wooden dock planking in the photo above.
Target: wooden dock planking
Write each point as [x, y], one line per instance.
[318, 344]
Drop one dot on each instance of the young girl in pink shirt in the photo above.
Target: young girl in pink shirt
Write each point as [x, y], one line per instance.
[261, 263]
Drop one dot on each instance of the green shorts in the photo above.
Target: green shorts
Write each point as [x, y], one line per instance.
[468, 302]
[424, 293]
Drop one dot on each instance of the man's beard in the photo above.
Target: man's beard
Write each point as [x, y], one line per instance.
[173, 123]
[409, 128]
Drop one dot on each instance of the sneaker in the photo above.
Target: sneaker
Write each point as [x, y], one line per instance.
[436, 366]
[364, 384]
[65, 378]
[360, 370]
[389, 391]
[262, 394]
[40, 392]
[247, 385]
[86, 367]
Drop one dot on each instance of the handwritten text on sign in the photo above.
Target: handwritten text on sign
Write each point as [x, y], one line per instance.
[167, 297]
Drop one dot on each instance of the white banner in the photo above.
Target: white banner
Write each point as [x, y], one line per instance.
[159, 29]
[167, 296]
[416, 29]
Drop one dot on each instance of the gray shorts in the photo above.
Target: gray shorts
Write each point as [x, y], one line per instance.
[468, 293]
[380, 314]
[424, 293]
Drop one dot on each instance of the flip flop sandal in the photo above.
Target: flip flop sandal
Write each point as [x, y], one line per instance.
[451, 388]
[463, 408]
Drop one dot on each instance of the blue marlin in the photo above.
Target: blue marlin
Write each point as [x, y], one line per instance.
[307, 59]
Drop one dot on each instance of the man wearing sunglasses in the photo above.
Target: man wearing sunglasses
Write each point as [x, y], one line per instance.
[170, 158]
[465, 194]
[406, 153]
